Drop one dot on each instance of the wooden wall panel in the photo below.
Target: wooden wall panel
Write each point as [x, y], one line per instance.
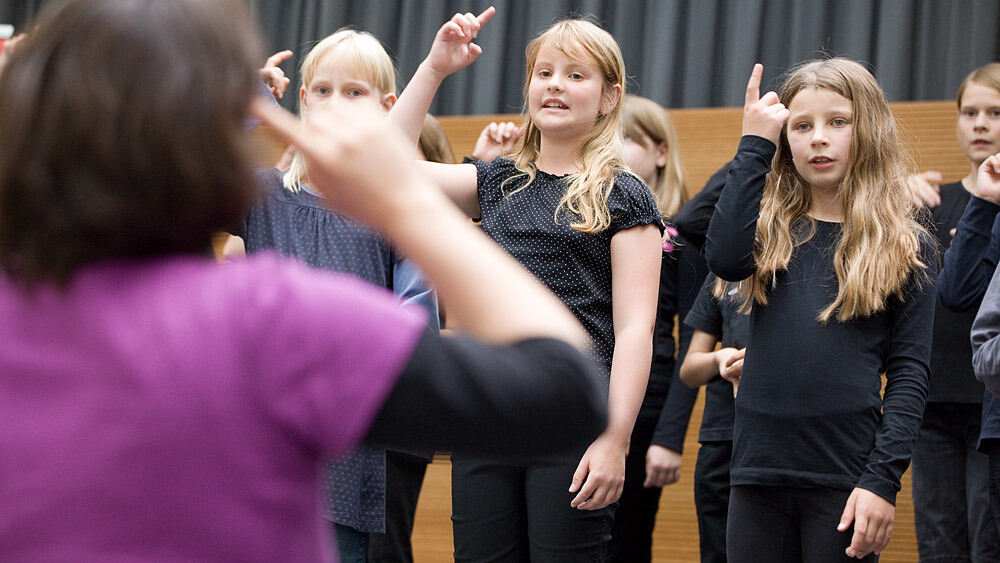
[707, 139]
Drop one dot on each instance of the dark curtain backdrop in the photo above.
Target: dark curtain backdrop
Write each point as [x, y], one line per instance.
[681, 53]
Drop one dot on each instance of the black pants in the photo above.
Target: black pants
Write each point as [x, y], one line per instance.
[992, 448]
[951, 502]
[503, 512]
[404, 475]
[787, 524]
[635, 517]
[711, 498]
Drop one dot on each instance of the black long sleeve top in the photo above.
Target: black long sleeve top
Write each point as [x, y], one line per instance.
[809, 411]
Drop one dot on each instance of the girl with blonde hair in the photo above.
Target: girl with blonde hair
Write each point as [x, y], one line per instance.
[348, 71]
[566, 206]
[816, 225]
[654, 457]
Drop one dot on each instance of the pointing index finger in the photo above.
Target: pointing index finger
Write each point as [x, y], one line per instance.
[278, 58]
[753, 86]
[486, 15]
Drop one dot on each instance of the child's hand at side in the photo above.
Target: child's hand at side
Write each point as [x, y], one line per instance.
[453, 48]
[663, 466]
[600, 476]
[873, 517]
[730, 362]
[762, 116]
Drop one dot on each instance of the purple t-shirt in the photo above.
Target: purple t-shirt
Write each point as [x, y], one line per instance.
[175, 410]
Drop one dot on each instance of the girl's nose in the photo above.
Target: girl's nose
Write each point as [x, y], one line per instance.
[819, 137]
[981, 121]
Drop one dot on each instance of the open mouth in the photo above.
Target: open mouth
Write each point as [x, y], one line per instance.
[821, 162]
[554, 104]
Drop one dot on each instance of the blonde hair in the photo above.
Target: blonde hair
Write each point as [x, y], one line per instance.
[644, 117]
[364, 56]
[602, 152]
[987, 75]
[879, 246]
[434, 143]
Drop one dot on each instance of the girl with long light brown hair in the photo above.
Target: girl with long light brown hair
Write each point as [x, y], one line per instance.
[816, 226]
[568, 208]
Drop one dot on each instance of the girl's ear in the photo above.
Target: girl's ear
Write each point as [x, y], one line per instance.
[302, 97]
[388, 101]
[611, 99]
[662, 154]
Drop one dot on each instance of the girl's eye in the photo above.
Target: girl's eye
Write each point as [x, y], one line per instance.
[544, 73]
[995, 113]
[322, 91]
[801, 126]
[354, 93]
[576, 76]
[839, 122]
[969, 113]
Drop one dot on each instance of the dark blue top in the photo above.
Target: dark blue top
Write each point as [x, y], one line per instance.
[299, 224]
[576, 266]
[809, 411]
[722, 319]
[968, 265]
[952, 378]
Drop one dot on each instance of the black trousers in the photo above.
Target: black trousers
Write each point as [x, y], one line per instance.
[711, 498]
[404, 475]
[504, 512]
[992, 448]
[787, 525]
[635, 517]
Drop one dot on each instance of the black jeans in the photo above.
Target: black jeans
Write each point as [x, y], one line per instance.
[951, 487]
[635, 517]
[711, 498]
[787, 524]
[992, 448]
[504, 512]
[404, 475]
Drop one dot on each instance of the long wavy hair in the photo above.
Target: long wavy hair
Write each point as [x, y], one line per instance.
[644, 117]
[602, 152]
[879, 247]
[365, 56]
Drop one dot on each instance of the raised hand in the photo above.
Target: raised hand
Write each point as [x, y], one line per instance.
[273, 76]
[496, 139]
[924, 188]
[358, 161]
[8, 48]
[988, 179]
[453, 48]
[763, 116]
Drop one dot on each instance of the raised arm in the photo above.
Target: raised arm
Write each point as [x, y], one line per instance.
[733, 228]
[365, 168]
[975, 250]
[451, 51]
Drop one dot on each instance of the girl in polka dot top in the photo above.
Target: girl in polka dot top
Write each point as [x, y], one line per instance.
[566, 206]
